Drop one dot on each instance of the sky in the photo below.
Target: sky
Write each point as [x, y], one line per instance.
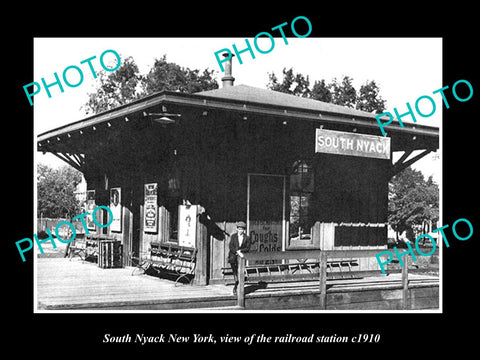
[403, 68]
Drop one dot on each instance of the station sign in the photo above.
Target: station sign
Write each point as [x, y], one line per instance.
[344, 143]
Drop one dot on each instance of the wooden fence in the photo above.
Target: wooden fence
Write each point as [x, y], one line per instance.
[322, 257]
[51, 223]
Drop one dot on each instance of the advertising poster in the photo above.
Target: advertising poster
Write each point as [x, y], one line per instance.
[150, 208]
[90, 205]
[116, 208]
[187, 225]
[266, 236]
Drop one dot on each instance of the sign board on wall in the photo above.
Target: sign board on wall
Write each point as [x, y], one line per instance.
[187, 225]
[90, 206]
[266, 236]
[150, 208]
[343, 143]
[116, 208]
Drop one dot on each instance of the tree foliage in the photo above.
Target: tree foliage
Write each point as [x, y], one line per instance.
[367, 98]
[127, 84]
[343, 93]
[321, 92]
[165, 75]
[115, 89]
[55, 191]
[294, 84]
[412, 202]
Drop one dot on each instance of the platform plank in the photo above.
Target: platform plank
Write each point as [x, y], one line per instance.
[72, 285]
[75, 285]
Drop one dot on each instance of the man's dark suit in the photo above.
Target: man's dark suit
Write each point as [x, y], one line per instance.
[234, 247]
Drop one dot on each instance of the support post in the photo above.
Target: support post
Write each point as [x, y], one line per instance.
[201, 263]
[405, 297]
[323, 280]
[402, 164]
[241, 282]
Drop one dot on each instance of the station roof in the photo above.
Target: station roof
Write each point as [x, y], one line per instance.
[247, 99]
[250, 94]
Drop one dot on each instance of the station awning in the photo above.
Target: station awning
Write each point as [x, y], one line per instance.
[246, 100]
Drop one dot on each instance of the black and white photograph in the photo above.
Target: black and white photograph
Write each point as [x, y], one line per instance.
[194, 181]
[288, 149]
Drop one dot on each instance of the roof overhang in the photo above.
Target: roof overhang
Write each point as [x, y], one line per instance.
[426, 137]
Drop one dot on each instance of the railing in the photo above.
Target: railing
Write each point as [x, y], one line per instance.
[322, 257]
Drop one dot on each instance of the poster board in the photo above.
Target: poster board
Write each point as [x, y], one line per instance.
[150, 213]
[187, 225]
[116, 208]
[266, 236]
[90, 206]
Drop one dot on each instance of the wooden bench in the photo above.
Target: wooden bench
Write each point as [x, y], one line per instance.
[301, 270]
[169, 259]
[78, 248]
[87, 248]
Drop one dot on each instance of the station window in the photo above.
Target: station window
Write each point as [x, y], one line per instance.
[301, 189]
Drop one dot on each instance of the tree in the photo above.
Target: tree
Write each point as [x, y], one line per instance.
[126, 83]
[433, 196]
[320, 91]
[369, 98]
[340, 93]
[56, 191]
[294, 84]
[115, 89]
[343, 93]
[165, 75]
[412, 202]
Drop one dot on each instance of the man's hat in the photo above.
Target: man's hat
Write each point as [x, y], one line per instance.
[241, 224]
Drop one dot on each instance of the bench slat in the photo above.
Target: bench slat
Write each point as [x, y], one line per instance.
[171, 258]
[295, 271]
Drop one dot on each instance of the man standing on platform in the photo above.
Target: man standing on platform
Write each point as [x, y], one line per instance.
[240, 242]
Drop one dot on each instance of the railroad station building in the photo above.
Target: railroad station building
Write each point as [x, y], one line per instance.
[184, 168]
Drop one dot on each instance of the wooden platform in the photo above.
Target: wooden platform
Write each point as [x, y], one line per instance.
[73, 285]
[68, 285]
[373, 293]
